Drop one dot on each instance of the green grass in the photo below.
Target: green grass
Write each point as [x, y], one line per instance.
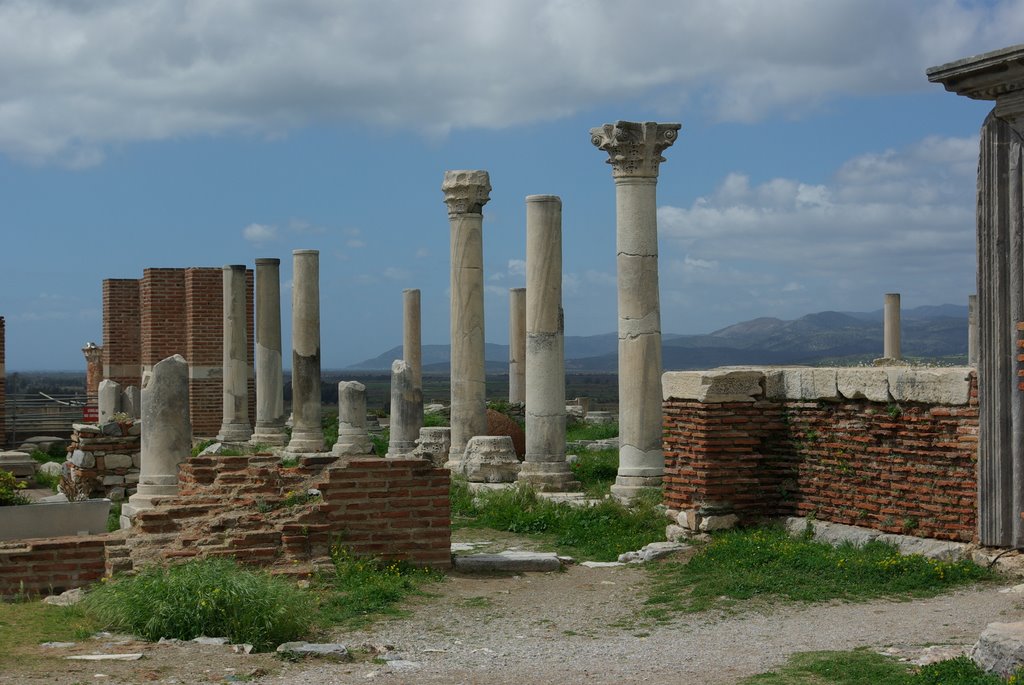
[591, 431]
[46, 480]
[358, 590]
[56, 453]
[24, 625]
[767, 562]
[114, 517]
[596, 471]
[213, 597]
[380, 442]
[600, 532]
[862, 667]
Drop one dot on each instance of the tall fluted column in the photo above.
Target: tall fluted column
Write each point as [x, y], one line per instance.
[545, 467]
[466, 193]
[235, 426]
[307, 433]
[634, 151]
[269, 370]
[517, 345]
[972, 330]
[891, 327]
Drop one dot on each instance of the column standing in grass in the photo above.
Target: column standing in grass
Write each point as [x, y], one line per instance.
[307, 432]
[269, 370]
[235, 426]
[634, 152]
[517, 346]
[466, 193]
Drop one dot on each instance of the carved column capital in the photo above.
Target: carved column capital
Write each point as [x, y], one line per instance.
[634, 148]
[996, 76]
[466, 192]
[93, 353]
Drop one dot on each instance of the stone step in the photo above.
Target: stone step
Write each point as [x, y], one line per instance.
[510, 561]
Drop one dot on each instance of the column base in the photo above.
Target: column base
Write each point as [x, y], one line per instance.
[273, 436]
[548, 476]
[626, 488]
[306, 442]
[234, 432]
[400, 449]
[353, 448]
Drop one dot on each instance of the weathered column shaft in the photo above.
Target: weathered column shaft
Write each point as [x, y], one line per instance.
[466, 192]
[412, 346]
[353, 438]
[634, 151]
[545, 467]
[406, 410]
[108, 400]
[270, 416]
[93, 372]
[235, 426]
[307, 432]
[972, 330]
[891, 327]
[517, 345]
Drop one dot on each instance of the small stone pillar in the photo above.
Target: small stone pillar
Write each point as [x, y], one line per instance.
[406, 410]
[166, 434]
[972, 330]
[235, 426]
[270, 416]
[353, 438]
[108, 399]
[93, 372]
[545, 467]
[634, 151]
[517, 346]
[891, 327]
[131, 402]
[466, 193]
[307, 433]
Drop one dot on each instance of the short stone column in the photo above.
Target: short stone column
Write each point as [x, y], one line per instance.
[466, 193]
[93, 372]
[406, 410]
[891, 327]
[634, 151]
[972, 330]
[166, 434]
[545, 467]
[353, 438]
[269, 367]
[517, 346]
[108, 400]
[307, 433]
[235, 426]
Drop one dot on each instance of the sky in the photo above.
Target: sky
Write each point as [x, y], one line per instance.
[816, 169]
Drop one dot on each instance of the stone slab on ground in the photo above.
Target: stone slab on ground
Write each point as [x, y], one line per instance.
[510, 561]
[330, 650]
[652, 551]
[1000, 649]
[837, 533]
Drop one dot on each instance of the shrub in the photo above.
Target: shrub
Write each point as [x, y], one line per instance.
[213, 597]
[9, 486]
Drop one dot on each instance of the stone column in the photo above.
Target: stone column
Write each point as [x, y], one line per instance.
[235, 426]
[353, 438]
[269, 370]
[466, 193]
[406, 410]
[412, 347]
[891, 327]
[517, 345]
[545, 467]
[166, 434]
[634, 151]
[972, 330]
[93, 372]
[108, 400]
[307, 433]
[998, 76]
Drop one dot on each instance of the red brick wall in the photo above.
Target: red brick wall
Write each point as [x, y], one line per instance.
[122, 331]
[52, 565]
[162, 308]
[204, 321]
[852, 461]
[3, 383]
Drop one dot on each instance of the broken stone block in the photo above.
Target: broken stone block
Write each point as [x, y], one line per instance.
[1000, 649]
[490, 459]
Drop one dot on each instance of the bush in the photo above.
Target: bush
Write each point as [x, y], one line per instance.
[9, 486]
[213, 597]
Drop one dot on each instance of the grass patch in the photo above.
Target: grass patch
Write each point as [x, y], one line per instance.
[360, 589]
[596, 471]
[744, 564]
[213, 597]
[56, 453]
[46, 480]
[863, 667]
[114, 517]
[591, 431]
[600, 532]
[380, 442]
[24, 625]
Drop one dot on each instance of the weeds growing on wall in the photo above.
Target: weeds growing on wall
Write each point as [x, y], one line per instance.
[767, 562]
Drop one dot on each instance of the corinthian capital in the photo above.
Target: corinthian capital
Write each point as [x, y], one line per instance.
[466, 192]
[634, 148]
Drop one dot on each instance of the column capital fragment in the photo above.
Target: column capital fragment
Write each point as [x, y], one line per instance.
[634, 148]
[996, 75]
[466, 192]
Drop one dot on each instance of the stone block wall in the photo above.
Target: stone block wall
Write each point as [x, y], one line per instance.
[51, 565]
[892, 449]
[107, 463]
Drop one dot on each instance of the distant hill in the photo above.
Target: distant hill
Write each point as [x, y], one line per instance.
[934, 332]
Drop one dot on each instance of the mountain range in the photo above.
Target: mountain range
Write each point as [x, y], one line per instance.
[927, 332]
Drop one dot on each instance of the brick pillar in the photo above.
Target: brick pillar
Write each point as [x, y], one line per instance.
[204, 322]
[122, 328]
[3, 384]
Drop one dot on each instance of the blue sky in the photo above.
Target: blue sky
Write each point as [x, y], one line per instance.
[816, 168]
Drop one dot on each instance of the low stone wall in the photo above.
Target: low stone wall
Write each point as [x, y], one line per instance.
[52, 565]
[893, 449]
[106, 458]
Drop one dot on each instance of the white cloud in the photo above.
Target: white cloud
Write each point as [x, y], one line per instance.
[517, 267]
[258, 234]
[81, 76]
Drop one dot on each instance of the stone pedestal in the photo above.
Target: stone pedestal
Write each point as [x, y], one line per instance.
[517, 346]
[465, 193]
[166, 434]
[235, 426]
[891, 327]
[307, 433]
[998, 76]
[406, 410]
[20, 464]
[434, 444]
[634, 151]
[545, 467]
[490, 459]
[270, 416]
[353, 438]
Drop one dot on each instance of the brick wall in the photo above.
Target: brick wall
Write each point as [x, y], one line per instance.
[51, 565]
[204, 320]
[122, 332]
[3, 383]
[903, 465]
